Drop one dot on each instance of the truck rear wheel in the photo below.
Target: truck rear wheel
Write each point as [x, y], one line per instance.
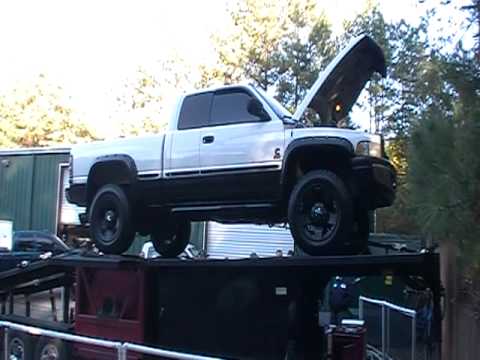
[20, 346]
[111, 225]
[320, 213]
[52, 349]
[171, 240]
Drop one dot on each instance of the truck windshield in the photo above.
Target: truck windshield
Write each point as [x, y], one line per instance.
[277, 108]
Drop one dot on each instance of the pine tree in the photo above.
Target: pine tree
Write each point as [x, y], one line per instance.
[305, 50]
[246, 51]
[444, 167]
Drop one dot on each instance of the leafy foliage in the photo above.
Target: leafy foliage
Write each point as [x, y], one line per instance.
[304, 51]
[444, 164]
[282, 44]
[247, 51]
[141, 105]
[39, 115]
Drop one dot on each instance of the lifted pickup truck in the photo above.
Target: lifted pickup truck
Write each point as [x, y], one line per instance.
[234, 154]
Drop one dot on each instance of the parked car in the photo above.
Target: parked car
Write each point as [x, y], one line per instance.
[149, 252]
[233, 154]
[28, 246]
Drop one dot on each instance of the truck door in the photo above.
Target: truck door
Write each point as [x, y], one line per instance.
[184, 151]
[241, 148]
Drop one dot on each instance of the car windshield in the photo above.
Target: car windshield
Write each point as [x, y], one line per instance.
[278, 108]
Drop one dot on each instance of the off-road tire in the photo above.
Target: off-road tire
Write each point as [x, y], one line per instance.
[49, 348]
[324, 190]
[170, 240]
[112, 236]
[20, 345]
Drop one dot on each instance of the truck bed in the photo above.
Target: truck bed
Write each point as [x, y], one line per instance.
[146, 151]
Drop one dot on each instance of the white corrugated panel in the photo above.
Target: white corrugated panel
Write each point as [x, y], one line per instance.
[239, 241]
[68, 212]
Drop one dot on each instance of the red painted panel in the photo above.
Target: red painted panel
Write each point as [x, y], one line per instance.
[110, 304]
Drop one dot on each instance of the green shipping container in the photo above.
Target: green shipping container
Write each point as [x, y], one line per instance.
[30, 187]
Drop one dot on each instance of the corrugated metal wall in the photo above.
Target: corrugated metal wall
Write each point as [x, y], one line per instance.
[69, 213]
[46, 191]
[16, 190]
[240, 240]
[29, 190]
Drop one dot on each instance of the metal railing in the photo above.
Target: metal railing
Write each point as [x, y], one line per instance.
[122, 348]
[386, 309]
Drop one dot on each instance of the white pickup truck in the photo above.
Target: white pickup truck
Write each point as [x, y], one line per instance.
[233, 154]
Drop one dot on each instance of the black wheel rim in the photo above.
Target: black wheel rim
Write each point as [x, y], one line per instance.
[17, 349]
[49, 352]
[169, 239]
[318, 214]
[107, 220]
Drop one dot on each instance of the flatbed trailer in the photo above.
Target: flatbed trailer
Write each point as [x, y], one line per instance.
[237, 309]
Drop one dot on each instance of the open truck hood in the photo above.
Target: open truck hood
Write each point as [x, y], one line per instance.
[339, 85]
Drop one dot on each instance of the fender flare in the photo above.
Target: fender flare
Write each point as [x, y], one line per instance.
[127, 174]
[340, 144]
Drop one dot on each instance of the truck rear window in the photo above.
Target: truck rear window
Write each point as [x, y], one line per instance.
[195, 111]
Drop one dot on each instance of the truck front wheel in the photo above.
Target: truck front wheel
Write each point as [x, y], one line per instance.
[320, 213]
[171, 240]
[111, 225]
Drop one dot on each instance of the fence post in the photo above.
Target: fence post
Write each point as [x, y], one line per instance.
[387, 330]
[5, 343]
[414, 334]
[360, 308]
[383, 331]
[121, 352]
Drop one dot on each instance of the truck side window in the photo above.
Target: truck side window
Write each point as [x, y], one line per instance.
[231, 108]
[195, 111]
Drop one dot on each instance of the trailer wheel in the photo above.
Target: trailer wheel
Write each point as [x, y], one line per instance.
[111, 225]
[52, 349]
[172, 240]
[320, 213]
[19, 346]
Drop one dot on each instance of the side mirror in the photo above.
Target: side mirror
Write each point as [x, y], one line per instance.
[256, 108]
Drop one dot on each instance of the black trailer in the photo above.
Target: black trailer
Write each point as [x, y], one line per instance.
[258, 308]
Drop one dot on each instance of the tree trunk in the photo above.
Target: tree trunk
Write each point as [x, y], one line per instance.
[449, 275]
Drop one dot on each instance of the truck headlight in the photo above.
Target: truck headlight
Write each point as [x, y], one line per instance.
[369, 148]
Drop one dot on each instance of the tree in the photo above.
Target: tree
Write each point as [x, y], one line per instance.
[247, 51]
[39, 115]
[444, 163]
[394, 103]
[141, 105]
[473, 8]
[274, 43]
[372, 22]
[305, 50]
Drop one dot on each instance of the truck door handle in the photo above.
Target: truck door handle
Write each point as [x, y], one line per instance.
[208, 139]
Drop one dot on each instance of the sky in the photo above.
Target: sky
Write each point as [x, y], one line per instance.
[90, 48]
